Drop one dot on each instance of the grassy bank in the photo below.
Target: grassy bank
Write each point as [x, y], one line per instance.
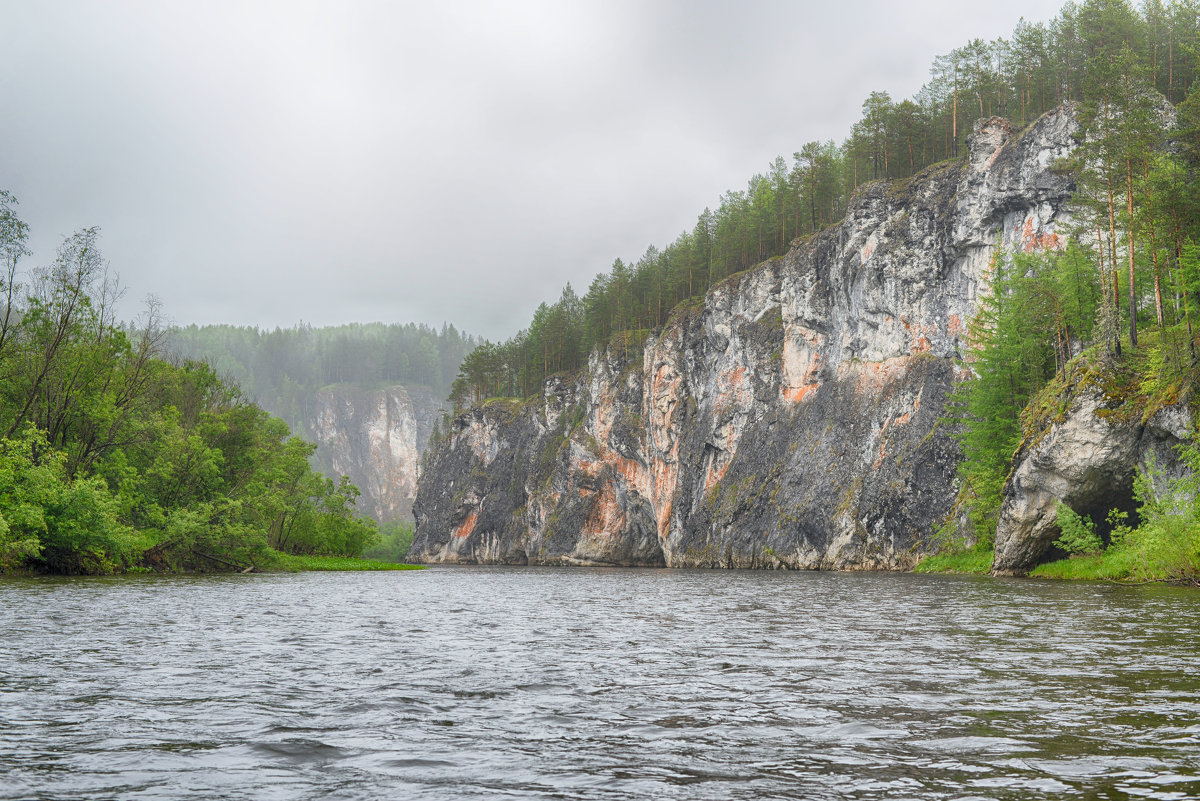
[977, 562]
[295, 564]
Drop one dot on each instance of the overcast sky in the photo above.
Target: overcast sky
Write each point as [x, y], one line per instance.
[267, 163]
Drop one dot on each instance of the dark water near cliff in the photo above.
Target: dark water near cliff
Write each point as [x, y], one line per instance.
[596, 684]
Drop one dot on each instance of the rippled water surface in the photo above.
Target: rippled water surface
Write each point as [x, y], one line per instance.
[596, 684]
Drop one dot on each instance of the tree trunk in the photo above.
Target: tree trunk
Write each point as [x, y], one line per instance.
[1129, 240]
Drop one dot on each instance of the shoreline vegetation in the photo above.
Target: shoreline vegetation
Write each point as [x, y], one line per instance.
[114, 458]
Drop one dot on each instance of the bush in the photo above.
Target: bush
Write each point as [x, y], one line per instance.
[396, 539]
[1078, 533]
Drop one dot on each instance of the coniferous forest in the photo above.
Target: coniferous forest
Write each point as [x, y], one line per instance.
[1123, 67]
[282, 369]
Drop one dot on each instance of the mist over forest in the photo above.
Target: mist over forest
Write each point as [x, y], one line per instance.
[282, 369]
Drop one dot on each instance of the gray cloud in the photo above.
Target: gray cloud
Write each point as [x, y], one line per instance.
[456, 161]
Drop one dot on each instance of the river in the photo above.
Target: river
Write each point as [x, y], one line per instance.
[526, 683]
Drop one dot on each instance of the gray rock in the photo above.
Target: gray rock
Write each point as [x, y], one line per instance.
[375, 437]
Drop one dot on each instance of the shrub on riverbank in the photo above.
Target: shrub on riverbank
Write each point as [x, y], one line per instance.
[112, 458]
[395, 538]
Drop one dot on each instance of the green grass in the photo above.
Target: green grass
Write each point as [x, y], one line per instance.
[1077, 567]
[978, 562]
[295, 564]
[1115, 564]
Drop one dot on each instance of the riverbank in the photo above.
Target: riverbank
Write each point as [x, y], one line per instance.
[1124, 565]
[277, 563]
[297, 564]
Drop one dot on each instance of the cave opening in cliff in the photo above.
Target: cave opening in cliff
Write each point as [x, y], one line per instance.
[1118, 497]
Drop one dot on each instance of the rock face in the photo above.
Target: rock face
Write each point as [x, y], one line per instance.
[1086, 459]
[376, 438]
[790, 420]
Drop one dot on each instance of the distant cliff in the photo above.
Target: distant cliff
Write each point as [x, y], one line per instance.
[791, 419]
[376, 438]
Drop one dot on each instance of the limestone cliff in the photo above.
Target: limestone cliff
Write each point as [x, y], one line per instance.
[375, 437]
[791, 419]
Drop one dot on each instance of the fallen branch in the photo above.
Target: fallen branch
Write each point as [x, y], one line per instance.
[235, 565]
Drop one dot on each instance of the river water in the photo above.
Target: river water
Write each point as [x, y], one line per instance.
[481, 683]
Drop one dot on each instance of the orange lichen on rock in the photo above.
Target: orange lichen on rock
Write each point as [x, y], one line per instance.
[920, 334]
[666, 477]
[714, 476]
[1033, 241]
[870, 377]
[468, 525]
[879, 459]
[606, 518]
[587, 466]
[882, 435]
[629, 469]
[955, 328]
[801, 364]
[797, 394]
[731, 390]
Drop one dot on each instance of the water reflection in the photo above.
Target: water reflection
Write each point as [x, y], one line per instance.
[596, 684]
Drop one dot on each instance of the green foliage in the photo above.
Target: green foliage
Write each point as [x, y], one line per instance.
[1165, 546]
[975, 561]
[1078, 533]
[1166, 543]
[396, 537]
[114, 459]
[1110, 566]
[1039, 306]
[47, 518]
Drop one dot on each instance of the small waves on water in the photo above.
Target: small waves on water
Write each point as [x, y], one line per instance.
[480, 683]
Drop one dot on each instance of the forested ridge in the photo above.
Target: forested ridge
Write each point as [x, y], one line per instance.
[1101, 54]
[284, 368]
[114, 458]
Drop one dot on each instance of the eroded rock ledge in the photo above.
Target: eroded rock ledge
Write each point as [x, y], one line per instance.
[1085, 454]
[789, 420]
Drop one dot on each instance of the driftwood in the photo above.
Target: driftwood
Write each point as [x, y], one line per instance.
[239, 567]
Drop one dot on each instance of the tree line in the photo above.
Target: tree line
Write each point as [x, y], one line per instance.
[283, 369]
[114, 458]
[1104, 55]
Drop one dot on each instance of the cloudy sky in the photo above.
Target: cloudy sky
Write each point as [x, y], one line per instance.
[267, 163]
